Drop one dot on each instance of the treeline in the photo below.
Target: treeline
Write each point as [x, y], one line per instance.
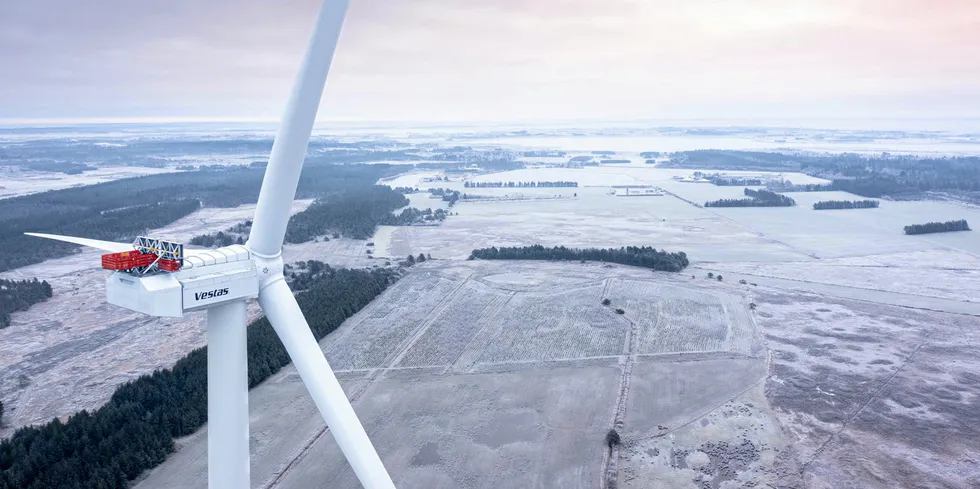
[135, 430]
[637, 256]
[122, 209]
[937, 227]
[736, 182]
[757, 198]
[19, 296]
[845, 204]
[448, 195]
[411, 215]
[237, 234]
[354, 214]
[520, 184]
[787, 186]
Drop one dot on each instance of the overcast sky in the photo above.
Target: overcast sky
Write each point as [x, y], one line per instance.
[501, 60]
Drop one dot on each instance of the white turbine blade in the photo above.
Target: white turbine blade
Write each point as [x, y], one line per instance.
[91, 243]
[287, 319]
[289, 148]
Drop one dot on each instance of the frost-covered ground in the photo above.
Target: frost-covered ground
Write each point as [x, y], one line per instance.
[503, 374]
[507, 374]
[14, 182]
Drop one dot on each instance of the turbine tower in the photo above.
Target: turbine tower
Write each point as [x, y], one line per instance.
[160, 278]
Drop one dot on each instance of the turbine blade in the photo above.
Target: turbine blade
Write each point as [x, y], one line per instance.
[289, 148]
[91, 243]
[287, 319]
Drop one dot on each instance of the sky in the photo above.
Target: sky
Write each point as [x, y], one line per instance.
[500, 60]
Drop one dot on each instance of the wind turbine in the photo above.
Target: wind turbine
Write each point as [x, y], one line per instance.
[161, 279]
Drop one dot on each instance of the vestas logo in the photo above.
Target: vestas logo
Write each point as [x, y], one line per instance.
[211, 294]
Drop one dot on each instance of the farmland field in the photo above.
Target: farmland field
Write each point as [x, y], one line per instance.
[478, 374]
[499, 374]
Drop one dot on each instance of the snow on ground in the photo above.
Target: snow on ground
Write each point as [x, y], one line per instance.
[463, 381]
[14, 182]
[947, 274]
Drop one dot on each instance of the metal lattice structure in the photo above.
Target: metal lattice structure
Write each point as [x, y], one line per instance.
[166, 250]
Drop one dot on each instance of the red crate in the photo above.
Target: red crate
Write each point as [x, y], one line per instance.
[169, 265]
[127, 260]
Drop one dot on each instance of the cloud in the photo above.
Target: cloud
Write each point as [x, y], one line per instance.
[508, 59]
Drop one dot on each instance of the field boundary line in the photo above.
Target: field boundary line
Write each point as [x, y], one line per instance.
[608, 471]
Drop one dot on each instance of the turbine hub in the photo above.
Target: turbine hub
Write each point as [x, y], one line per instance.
[268, 269]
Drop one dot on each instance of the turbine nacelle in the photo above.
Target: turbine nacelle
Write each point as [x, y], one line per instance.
[208, 278]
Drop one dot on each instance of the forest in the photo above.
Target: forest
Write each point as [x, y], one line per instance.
[937, 227]
[845, 204]
[637, 256]
[20, 295]
[135, 430]
[122, 209]
[355, 213]
[469, 184]
[756, 198]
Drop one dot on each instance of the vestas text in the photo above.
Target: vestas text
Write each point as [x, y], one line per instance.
[211, 294]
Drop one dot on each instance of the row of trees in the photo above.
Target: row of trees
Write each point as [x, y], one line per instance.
[637, 256]
[736, 182]
[937, 227]
[520, 184]
[447, 194]
[135, 430]
[19, 296]
[411, 215]
[756, 198]
[845, 204]
[787, 186]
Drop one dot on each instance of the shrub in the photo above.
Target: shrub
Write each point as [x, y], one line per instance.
[612, 438]
[620, 311]
[606, 302]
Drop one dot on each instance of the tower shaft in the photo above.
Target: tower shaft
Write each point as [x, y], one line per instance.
[228, 454]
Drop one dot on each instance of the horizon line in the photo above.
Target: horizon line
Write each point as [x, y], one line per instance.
[49, 121]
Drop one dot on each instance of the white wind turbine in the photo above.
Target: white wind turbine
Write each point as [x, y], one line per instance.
[221, 281]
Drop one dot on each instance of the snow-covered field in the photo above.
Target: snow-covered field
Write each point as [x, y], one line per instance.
[14, 182]
[590, 216]
[497, 374]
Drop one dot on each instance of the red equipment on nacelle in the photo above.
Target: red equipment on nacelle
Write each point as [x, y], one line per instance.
[127, 260]
[168, 265]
